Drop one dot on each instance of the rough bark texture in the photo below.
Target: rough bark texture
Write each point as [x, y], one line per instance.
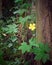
[44, 21]
[43, 27]
[50, 22]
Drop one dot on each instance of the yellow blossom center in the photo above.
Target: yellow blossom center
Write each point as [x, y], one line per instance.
[32, 26]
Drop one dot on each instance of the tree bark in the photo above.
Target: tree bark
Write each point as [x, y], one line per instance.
[43, 27]
[50, 22]
[44, 22]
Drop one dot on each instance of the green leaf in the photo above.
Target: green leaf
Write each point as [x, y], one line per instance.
[10, 45]
[45, 58]
[26, 5]
[1, 52]
[16, 1]
[23, 20]
[38, 57]
[41, 52]
[13, 38]
[20, 11]
[32, 42]
[44, 47]
[47, 48]
[13, 18]
[12, 28]
[24, 47]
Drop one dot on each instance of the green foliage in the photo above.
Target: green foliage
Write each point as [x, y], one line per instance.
[24, 47]
[26, 5]
[12, 28]
[23, 20]
[13, 38]
[40, 50]
[33, 42]
[13, 31]
[20, 11]
[17, 1]
[2, 62]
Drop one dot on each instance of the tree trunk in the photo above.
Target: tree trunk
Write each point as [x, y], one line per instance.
[44, 22]
[50, 22]
[43, 26]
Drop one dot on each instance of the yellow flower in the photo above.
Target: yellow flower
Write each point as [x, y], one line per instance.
[32, 26]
